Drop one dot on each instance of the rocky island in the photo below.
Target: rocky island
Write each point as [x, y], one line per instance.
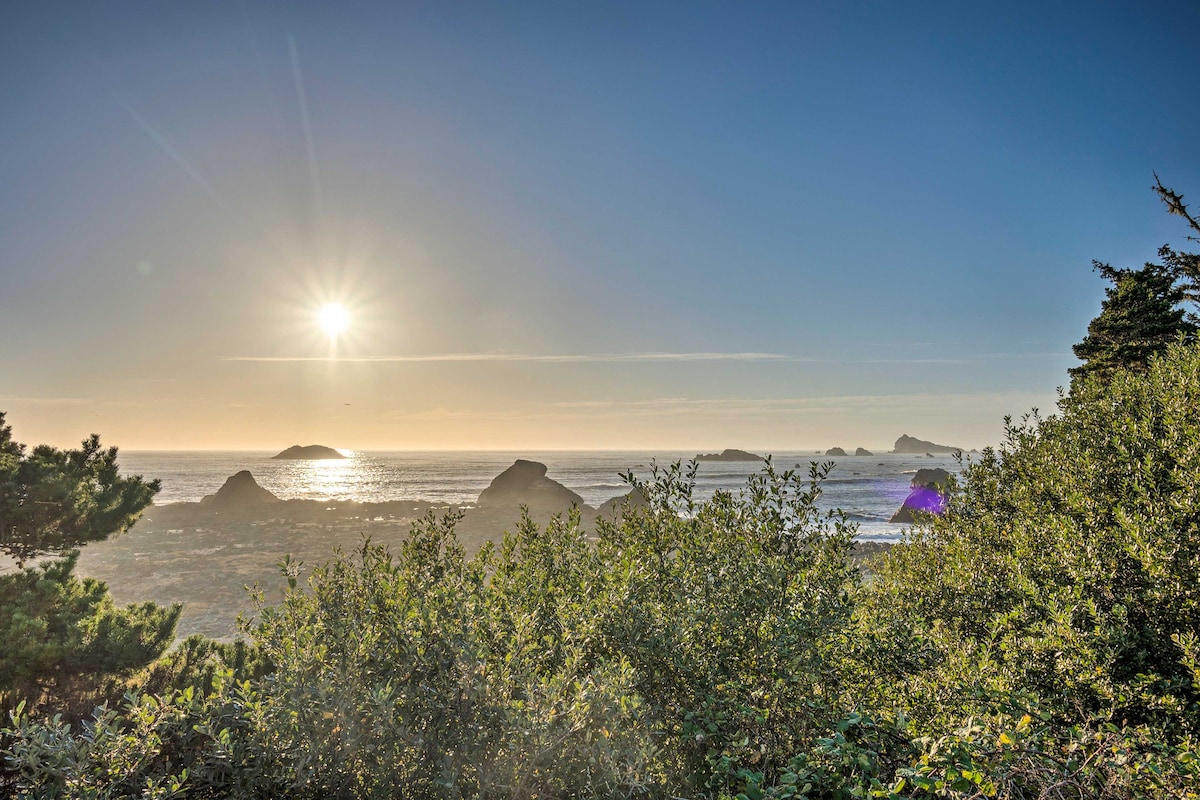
[729, 454]
[308, 452]
[912, 446]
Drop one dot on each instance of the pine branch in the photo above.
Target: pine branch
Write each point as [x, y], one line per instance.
[1175, 205]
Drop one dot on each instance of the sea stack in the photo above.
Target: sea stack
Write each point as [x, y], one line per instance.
[835, 451]
[927, 495]
[614, 508]
[239, 492]
[525, 483]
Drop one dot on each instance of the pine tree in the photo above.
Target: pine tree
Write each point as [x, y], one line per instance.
[52, 501]
[65, 639]
[1140, 316]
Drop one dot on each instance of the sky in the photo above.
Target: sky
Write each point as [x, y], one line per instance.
[606, 225]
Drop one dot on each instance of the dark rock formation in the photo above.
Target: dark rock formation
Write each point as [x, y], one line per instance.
[928, 495]
[525, 482]
[611, 509]
[239, 492]
[729, 454]
[835, 451]
[311, 451]
[909, 445]
[862, 451]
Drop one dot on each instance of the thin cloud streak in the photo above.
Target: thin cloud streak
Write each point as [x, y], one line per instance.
[48, 401]
[526, 357]
[735, 407]
[789, 405]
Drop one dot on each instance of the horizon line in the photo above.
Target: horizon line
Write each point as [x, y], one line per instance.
[519, 357]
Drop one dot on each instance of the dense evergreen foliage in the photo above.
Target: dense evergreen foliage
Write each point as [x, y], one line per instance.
[65, 643]
[53, 500]
[1140, 316]
[1141, 313]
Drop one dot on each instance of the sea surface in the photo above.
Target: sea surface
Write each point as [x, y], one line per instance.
[868, 488]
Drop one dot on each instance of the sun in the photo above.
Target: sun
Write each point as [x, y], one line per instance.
[333, 318]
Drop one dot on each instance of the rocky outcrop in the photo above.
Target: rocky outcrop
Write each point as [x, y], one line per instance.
[525, 483]
[835, 451]
[632, 500]
[909, 445]
[309, 451]
[729, 454]
[239, 492]
[862, 451]
[927, 495]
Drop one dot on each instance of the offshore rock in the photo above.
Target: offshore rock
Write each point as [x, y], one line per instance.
[310, 451]
[927, 495]
[614, 508]
[729, 454]
[912, 446]
[835, 451]
[240, 491]
[525, 483]
[862, 451]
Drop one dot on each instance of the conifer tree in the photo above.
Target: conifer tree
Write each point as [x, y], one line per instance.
[64, 637]
[52, 501]
[1141, 313]
[1140, 316]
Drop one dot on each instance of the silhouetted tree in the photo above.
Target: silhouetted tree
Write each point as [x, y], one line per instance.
[1141, 313]
[1140, 316]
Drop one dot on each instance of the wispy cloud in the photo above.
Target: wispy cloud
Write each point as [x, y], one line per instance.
[793, 405]
[561, 358]
[739, 407]
[47, 401]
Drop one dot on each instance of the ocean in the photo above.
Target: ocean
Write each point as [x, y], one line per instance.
[868, 488]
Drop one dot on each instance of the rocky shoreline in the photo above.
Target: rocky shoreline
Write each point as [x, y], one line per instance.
[207, 554]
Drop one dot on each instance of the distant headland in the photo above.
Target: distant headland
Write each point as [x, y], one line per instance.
[729, 454]
[311, 451]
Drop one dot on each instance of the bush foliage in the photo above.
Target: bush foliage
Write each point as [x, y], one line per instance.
[1041, 639]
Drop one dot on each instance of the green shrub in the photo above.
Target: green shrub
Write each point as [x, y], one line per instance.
[1068, 564]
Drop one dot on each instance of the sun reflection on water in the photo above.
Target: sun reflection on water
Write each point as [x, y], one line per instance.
[321, 478]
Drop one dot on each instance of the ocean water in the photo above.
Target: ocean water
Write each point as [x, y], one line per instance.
[868, 488]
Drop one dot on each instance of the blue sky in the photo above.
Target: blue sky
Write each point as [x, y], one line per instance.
[562, 225]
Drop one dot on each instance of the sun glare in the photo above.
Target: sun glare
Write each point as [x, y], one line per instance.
[333, 318]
